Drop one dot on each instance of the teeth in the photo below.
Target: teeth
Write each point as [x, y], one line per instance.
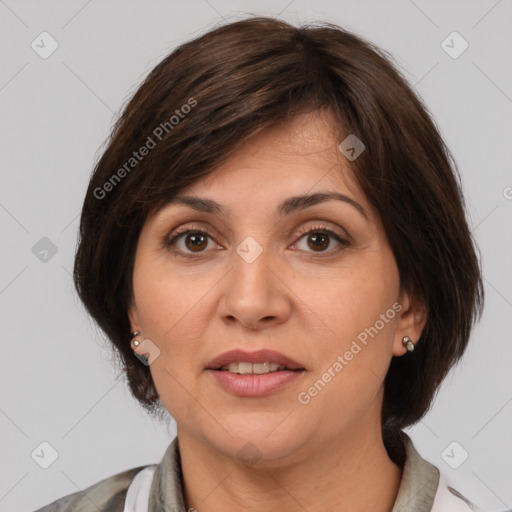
[253, 368]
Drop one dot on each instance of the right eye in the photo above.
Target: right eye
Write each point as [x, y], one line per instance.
[187, 242]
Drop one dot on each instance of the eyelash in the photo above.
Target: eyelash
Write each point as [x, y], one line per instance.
[169, 241]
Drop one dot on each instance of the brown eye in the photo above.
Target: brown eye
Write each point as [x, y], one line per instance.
[322, 241]
[196, 242]
[318, 241]
[189, 242]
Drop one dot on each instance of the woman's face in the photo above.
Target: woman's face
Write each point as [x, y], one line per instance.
[313, 280]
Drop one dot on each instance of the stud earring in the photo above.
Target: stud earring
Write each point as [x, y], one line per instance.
[136, 343]
[407, 343]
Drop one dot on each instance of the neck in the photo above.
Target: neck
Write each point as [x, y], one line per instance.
[352, 474]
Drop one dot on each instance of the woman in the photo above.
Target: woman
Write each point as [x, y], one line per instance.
[276, 244]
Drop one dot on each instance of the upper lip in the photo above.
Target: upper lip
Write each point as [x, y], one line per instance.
[259, 356]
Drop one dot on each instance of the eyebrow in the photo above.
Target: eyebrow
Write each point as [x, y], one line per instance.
[288, 206]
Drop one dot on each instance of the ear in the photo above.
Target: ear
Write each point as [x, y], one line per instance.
[133, 317]
[411, 322]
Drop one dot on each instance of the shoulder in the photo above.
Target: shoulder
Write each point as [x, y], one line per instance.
[108, 495]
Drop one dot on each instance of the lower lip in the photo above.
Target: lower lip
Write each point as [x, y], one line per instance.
[255, 385]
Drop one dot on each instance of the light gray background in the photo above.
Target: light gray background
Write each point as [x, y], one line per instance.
[57, 384]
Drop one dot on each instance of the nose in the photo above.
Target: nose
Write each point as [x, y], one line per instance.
[255, 293]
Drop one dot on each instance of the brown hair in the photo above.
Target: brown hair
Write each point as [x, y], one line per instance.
[206, 98]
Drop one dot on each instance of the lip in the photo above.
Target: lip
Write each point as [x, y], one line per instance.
[255, 385]
[259, 356]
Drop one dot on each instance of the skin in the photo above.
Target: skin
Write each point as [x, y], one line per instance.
[309, 303]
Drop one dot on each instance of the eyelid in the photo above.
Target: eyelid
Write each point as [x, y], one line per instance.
[325, 226]
[211, 232]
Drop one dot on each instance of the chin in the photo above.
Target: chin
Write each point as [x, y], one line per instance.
[259, 442]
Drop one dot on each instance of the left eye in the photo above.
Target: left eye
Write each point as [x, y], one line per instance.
[319, 240]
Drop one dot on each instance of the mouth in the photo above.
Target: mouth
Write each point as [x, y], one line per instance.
[253, 363]
[254, 374]
[246, 368]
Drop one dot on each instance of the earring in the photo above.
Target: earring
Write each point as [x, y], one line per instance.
[136, 343]
[407, 342]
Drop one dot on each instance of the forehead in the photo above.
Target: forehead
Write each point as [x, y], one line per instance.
[294, 156]
[282, 169]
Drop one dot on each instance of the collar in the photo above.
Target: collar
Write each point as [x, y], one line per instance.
[416, 492]
[419, 483]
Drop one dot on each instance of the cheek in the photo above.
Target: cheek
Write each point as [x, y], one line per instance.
[169, 309]
[164, 306]
[164, 295]
[348, 303]
[359, 321]
[351, 364]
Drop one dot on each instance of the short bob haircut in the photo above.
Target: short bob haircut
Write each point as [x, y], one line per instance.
[206, 98]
